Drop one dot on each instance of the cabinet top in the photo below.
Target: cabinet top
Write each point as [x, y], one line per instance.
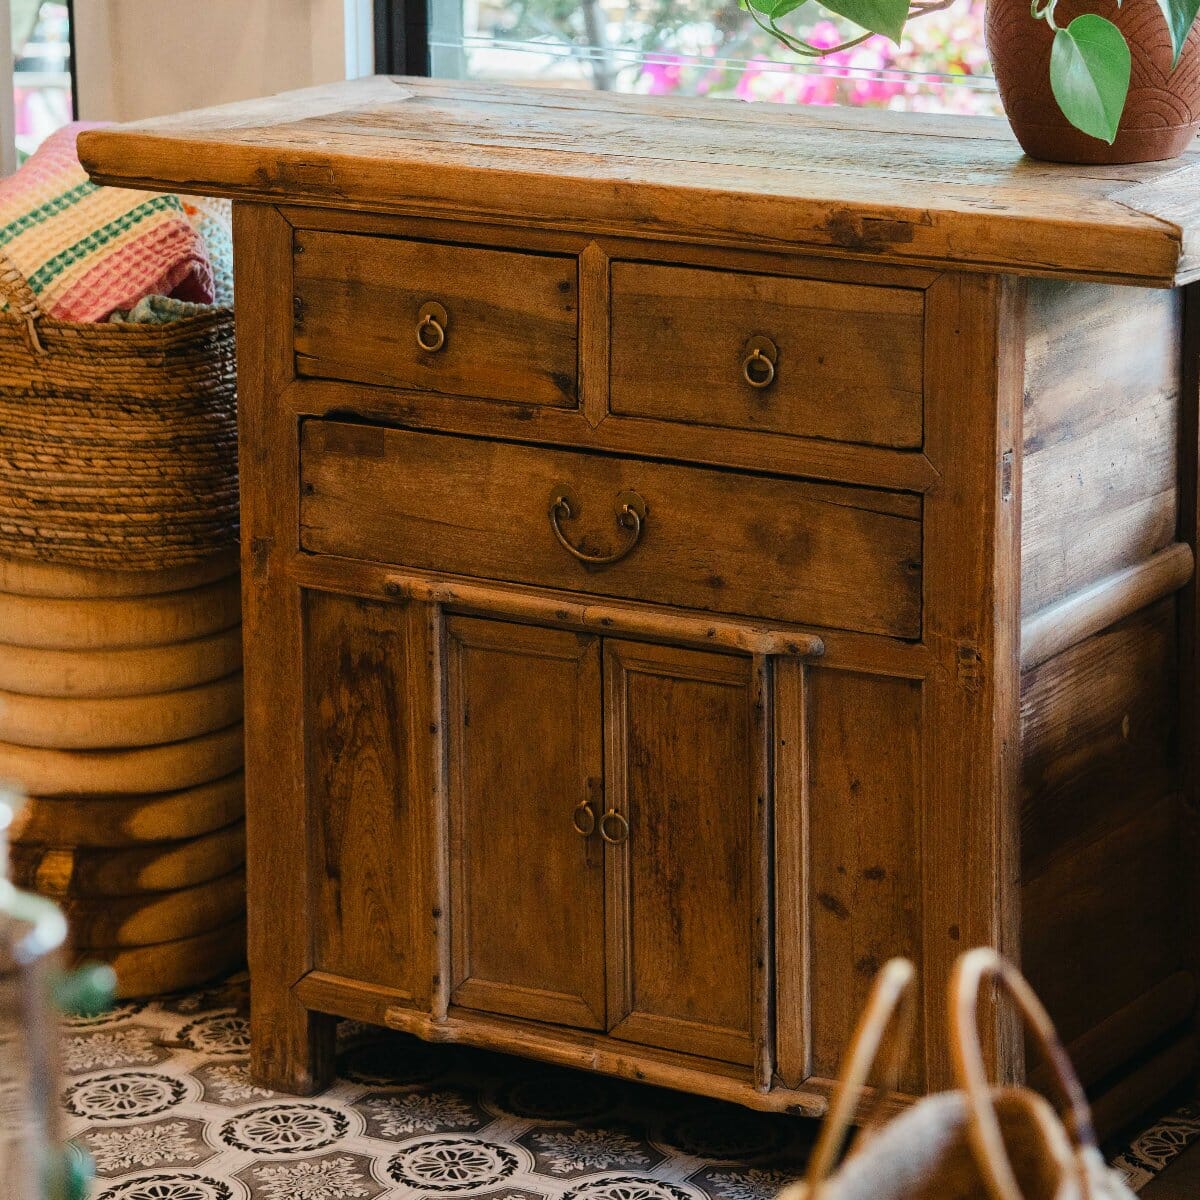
[897, 187]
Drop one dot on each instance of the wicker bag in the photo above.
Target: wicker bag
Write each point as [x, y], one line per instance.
[118, 442]
[977, 1143]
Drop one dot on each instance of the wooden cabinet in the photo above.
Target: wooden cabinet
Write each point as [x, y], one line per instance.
[692, 553]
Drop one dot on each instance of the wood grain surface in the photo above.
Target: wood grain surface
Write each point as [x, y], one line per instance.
[711, 540]
[888, 186]
[524, 722]
[682, 891]
[509, 326]
[850, 358]
[899, 659]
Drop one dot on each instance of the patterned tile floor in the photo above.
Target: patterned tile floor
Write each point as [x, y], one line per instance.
[160, 1096]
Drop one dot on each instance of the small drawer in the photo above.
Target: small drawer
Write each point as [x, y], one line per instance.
[775, 549]
[793, 356]
[496, 324]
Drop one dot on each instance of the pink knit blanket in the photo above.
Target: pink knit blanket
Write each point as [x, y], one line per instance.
[88, 251]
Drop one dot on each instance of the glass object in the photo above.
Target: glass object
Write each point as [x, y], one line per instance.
[35, 1164]
[42, 91]
[712, 48]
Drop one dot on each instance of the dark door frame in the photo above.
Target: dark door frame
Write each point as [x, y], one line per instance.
[74, 60]
[402, 37]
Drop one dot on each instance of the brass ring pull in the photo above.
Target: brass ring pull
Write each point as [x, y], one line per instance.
[631, 516]
[431, 329]
[621, 835]
[584, 818]
[758, 365]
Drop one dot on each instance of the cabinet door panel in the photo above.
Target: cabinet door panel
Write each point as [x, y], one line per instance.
[368, 701]
[864, 797]
[525, 753]
[684, 892]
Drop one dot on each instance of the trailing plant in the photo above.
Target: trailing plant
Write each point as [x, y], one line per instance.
[1089, 59]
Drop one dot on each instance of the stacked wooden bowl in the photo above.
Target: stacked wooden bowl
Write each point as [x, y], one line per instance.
[120, 717]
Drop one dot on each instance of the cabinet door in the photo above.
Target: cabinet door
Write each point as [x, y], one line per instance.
[526, 858]
[370, 768]
[687, 924]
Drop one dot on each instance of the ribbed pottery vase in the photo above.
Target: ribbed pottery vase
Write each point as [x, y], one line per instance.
[1162, 113]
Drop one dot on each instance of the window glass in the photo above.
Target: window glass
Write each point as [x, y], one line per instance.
[713, 48]
[42, 96]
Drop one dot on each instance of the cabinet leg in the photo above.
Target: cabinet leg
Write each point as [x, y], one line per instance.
[291, 1048]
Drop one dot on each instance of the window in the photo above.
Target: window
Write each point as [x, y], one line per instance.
[43, 88]
[703, 47]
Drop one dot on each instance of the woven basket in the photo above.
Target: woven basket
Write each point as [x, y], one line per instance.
[118, 443]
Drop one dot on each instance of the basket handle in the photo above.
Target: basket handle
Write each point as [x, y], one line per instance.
[970, 972]
[891, 1009]
[14, 288]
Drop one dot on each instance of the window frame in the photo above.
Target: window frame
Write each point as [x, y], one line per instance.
[402, 37]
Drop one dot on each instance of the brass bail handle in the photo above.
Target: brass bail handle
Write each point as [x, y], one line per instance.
[432, 322]
[759, 356]
[631, 516]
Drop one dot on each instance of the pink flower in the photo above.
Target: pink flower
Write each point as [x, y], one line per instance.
[664, 75]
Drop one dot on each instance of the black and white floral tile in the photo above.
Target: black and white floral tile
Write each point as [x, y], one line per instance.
[159, 1094]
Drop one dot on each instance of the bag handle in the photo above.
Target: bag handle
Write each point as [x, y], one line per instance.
[22, 299]
[890, 1009]
[970, 972]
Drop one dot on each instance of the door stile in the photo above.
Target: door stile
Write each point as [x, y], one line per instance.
[428, 625]
[761, 748]
[618, 922]
[790, 860]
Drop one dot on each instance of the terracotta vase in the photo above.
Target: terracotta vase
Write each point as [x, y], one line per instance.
[1161, 114]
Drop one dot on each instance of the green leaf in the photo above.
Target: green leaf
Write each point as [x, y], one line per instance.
[783, 7]
[762, 6]
[878, 16]
[1180, 15]
[1089, 75]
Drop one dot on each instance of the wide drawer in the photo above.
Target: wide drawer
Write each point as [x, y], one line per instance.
[777, 549]
[496, 324]
[793, 356]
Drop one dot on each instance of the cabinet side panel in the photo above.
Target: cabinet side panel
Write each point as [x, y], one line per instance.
[1103, 897]
[371, 866]
[864, 819]
[1101, 434]
[1104, 820]
[1099, 729]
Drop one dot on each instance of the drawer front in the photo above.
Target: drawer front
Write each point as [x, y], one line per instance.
[835, 360]
[775, 549]
[495, 324]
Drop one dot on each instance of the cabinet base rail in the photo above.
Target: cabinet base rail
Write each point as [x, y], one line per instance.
[337, 996]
